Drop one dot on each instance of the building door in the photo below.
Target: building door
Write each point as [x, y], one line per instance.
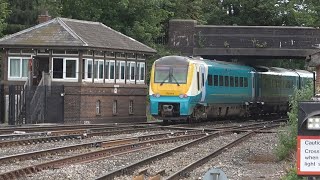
[40, 64]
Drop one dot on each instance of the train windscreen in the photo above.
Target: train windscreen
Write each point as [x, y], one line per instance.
[171, 74]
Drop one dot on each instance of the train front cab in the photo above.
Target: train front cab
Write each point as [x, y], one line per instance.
[171, 78]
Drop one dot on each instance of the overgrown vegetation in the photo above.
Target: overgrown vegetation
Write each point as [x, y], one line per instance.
[288, 138]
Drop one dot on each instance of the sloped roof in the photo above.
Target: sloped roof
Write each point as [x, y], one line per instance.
[74, 33]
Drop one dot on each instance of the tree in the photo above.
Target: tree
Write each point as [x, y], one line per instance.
[4, 12]
[25, 13]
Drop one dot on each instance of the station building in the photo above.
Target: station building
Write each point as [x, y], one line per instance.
[102, 73]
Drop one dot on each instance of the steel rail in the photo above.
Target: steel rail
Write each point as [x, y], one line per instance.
[107, 143]
[95, 155]
[183, 173]
[131, 167]
[48, 139]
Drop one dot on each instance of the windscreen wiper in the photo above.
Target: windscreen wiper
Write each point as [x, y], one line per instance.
[175, 80]
[164, 80]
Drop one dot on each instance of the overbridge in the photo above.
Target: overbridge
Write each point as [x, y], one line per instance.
[226, 42]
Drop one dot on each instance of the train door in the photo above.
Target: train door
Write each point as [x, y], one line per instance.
[253, 81]
[202, 82]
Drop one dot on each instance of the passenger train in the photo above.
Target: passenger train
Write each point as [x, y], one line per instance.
[189, 88]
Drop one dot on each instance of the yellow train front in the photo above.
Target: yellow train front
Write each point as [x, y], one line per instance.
[173, 91]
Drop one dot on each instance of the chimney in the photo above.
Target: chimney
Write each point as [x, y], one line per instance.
[43, 17]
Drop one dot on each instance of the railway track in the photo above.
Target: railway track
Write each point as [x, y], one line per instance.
[112, 148]
[76, 134]
[122, 173]
[104, 149]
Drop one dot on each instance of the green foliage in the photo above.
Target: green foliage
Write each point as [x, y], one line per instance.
[292, 175]
[4, 12]
[288, 139]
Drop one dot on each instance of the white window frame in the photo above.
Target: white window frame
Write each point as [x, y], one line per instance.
[98, 79]
[114, 70]
[86, 78]
[120, 71]
[19, 78]
[130, 80]
[139, 80]
[64, 78]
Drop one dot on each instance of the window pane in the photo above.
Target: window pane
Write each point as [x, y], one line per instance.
[245, 82]
[132, 71]
[215, 80]
[220, 80]
[71, 66]
[14, 67]
[107, 69]
[111, 70]
[128, 71]
[95, 73]
[25, 67]
[241, 81]
[142, 72]
[58, 68]
[138, 69]
[179, 74]
[236, 79]
[117, 70]
[122, 70]
[231, 81]
[210, 80]
[226, 80]
[100, 69]
[89, 73]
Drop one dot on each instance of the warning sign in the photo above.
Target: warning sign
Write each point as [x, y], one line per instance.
[308, 152]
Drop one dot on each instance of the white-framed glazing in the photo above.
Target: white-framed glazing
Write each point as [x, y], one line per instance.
[121, 65]
[98, 70]
[109, 71]
[131, 72]
[18, 68]
[140, 72]
[70, 67]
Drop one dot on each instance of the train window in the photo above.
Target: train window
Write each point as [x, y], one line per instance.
[241, 81]
[209, 79]
[226, 80]
[236, 81]
[198, 79]
[220, 80]
[231, 81]
[245, 82]
[202, 77]
[215, 80]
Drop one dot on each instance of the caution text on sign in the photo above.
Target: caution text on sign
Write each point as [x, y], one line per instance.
[308, 151]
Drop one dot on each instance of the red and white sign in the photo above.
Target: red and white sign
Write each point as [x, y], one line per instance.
[308, 152]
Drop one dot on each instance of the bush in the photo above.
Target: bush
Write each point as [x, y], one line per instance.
[288, 138]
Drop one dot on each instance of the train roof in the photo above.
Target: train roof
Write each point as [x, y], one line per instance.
[223, 64]
[282, 71]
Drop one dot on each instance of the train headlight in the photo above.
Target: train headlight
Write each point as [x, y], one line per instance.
[313, 123]
[156, 95]
[183, 96]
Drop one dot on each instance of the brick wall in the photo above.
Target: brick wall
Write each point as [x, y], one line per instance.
[80, 104]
